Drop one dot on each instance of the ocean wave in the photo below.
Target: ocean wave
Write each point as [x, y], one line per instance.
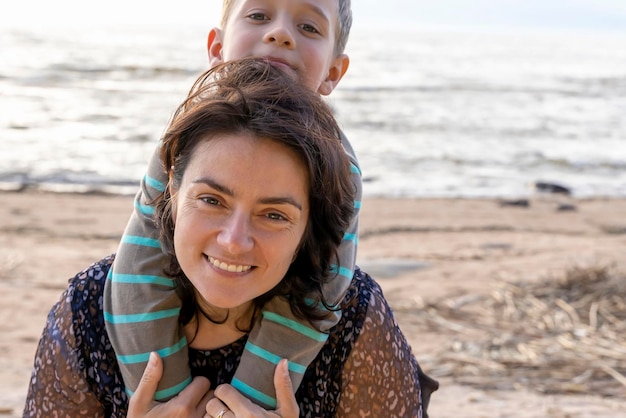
[134, 70]
[573, 87]
[66, 183]
[443, 114]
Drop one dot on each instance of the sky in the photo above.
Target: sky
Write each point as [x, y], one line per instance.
[542, 14]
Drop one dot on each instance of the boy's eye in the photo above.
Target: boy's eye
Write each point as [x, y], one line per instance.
[258, 16]
[308, 28]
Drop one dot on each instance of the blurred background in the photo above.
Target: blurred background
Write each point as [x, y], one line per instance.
[447, 98]
[442, 99]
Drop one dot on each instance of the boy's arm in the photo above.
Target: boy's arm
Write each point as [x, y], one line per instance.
[336, 290]
[141, 305]
[279, 334]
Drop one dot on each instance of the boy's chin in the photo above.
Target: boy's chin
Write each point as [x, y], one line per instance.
[285, 68]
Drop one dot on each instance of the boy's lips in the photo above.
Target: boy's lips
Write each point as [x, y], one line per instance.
[282, 64]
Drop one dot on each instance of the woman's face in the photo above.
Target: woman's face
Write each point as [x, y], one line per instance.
[240, 214]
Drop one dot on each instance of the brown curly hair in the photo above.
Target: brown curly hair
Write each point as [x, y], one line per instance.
[251, 96]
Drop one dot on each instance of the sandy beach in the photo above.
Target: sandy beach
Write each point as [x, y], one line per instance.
[421, 251]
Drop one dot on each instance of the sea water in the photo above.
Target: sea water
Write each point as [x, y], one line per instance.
[430, 113]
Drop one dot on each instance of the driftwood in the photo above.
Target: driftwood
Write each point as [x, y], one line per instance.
[564, 335]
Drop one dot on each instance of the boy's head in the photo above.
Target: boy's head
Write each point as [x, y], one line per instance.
[344, 21]
[306, 38]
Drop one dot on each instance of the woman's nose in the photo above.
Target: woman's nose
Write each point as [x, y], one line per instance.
[235, 235]
[280, 33]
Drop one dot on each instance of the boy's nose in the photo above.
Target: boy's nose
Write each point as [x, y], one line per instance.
[235, 235]
[281, 35]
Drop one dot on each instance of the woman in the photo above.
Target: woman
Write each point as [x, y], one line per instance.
[258, 199]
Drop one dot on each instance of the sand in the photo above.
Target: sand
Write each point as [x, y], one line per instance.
[419, 250]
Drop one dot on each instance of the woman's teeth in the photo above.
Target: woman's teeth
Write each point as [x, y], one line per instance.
[231, 268]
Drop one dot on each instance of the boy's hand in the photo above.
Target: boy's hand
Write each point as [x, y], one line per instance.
[191, 402]
[229, 403]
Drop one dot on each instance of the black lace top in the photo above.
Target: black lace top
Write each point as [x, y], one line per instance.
[365, 368]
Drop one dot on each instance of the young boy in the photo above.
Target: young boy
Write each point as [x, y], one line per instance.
[305, 38]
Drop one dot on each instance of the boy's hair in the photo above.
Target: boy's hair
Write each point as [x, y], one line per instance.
[344, 22]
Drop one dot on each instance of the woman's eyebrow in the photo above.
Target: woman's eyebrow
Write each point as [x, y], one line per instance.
[286, 200]
[215, 185]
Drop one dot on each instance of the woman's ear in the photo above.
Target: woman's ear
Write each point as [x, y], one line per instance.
[214, 47]
[174, 209]
[302, 242]
[172, 196]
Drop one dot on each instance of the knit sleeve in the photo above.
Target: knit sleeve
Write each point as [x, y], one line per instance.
[139, 290]
[335, 290]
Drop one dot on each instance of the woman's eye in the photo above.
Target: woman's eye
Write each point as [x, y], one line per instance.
[210, 200]
[276, 217]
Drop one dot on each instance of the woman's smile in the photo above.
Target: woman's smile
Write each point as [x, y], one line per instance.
[231, 268]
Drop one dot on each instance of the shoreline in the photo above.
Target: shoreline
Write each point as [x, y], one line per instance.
[420, 250]
[129, 188]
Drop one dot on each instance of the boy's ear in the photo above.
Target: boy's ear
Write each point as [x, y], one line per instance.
[214, 47]
[335, 74]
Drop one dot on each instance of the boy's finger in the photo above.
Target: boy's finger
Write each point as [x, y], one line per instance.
[195, 392]
[286, 403]
[205, 400]
[143, 396]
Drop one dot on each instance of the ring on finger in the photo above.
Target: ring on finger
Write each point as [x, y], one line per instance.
[221, 413]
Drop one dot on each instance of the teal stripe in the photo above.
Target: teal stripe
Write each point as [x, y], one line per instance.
[141, 279]
[145, 209]
[357, 204]
[320, 305]
[137, 240]
[174, 390]
[253, 393]
[342, 271]
[351, 237]
[167, 393]
[273, 358]
[144, 357]
[154, 183]
[355, 169]
[296, 326]
[141, 317]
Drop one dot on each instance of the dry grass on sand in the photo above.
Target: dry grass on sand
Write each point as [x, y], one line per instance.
[563, 335]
